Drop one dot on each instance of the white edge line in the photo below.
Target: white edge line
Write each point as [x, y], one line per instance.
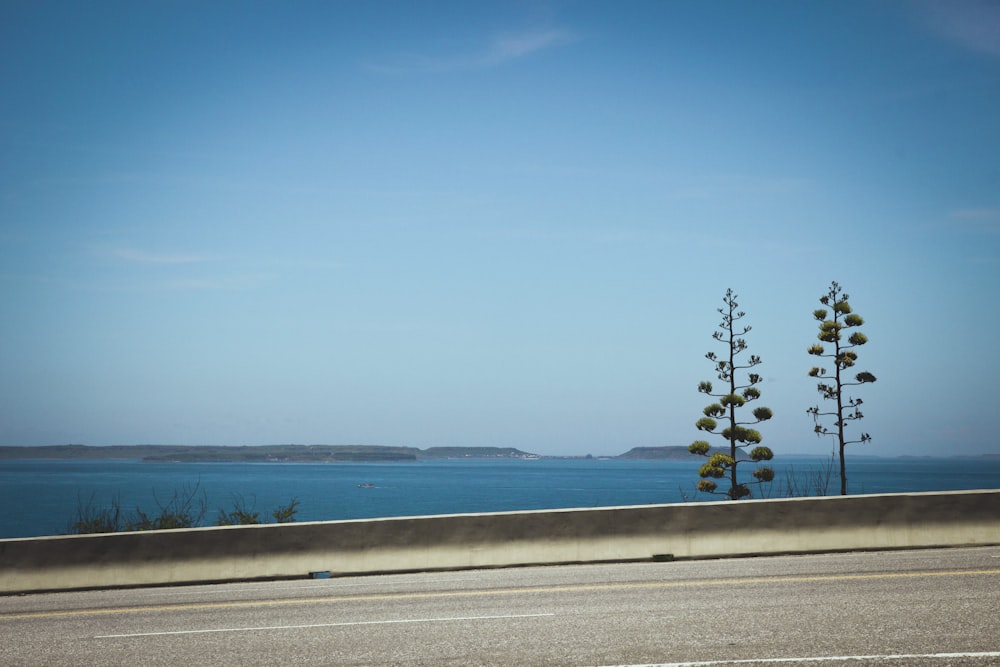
[321, 625]
[830, 658]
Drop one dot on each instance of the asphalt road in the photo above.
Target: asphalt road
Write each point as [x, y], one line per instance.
[936, 607]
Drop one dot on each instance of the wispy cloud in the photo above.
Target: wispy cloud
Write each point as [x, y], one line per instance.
[185, 271]
[144, 257]
[977, 214]
[309, 264]
[224, 282]
[501, 49]
[513, 46]
[979, 220]
[972, 24]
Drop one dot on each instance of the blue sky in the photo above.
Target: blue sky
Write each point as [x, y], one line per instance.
[491, 223]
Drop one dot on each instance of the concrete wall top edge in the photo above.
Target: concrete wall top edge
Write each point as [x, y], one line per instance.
[723, 505]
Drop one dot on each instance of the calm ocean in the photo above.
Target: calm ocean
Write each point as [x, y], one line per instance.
[40, 497]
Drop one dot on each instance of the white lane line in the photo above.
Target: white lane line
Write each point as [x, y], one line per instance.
[828, 658]
[323, 625]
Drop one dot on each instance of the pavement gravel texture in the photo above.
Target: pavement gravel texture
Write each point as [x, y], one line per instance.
[930, 607]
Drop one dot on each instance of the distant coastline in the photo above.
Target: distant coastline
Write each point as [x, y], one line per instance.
[259, 453]
[305, 453]
[332, 453]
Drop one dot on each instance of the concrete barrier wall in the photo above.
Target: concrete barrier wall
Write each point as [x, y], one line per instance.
[690, 530]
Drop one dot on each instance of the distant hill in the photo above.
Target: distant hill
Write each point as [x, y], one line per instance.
[86, 452]
[258, 453]
[475, 452]
[288, 454]
[668, 452]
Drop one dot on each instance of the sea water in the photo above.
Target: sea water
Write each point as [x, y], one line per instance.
[41, 497]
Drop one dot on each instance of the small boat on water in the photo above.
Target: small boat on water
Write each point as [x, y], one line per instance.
[366, 485]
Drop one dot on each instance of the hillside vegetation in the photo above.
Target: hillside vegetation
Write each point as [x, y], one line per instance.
[258, 453]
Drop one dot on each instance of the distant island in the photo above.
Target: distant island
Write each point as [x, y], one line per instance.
[261, 453]
[306, 453]
[328, 453]
[667, 453]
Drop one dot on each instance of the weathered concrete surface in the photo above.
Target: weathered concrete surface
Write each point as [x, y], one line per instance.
[690, 530]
